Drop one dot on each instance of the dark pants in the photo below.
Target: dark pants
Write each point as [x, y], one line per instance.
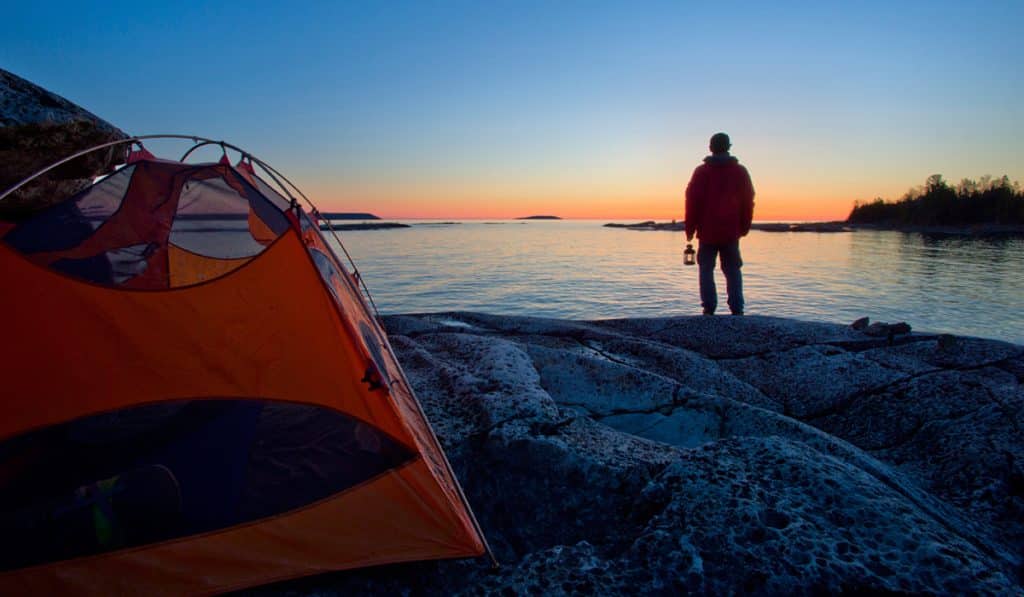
[731, 264]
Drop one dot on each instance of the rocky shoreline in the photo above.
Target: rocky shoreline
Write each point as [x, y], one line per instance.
[977, 230]
[676, 226]
[717, 455]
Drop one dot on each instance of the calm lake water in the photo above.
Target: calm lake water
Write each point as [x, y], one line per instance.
[582, 270]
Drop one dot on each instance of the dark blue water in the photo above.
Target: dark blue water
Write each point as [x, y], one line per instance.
[581, 270]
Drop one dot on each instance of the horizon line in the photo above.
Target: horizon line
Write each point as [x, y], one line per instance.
[559, 218]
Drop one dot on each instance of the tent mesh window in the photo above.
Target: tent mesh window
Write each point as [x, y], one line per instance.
[155, 225]
[67, 224]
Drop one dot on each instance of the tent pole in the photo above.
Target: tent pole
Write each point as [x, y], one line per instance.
[136, 139]
[63, 161]
[387, 345]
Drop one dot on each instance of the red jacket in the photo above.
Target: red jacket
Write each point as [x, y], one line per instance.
[719, 201]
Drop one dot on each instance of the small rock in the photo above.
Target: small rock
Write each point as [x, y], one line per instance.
[877, 330]
[881, 329]
[900, 328]
[948, 343]
[861, 323]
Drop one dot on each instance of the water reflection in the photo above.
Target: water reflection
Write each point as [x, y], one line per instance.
[581, 270]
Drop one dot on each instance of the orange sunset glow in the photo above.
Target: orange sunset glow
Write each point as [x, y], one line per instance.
[775, 200]
[504, 112]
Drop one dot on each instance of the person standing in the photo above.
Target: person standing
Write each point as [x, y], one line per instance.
[719, 210]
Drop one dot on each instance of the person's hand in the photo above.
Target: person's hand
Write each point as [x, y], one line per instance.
[689, 236]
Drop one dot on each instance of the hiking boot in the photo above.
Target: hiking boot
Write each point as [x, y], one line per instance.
[738, 312]
[709, 311]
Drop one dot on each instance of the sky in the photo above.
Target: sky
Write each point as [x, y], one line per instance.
[576, 109]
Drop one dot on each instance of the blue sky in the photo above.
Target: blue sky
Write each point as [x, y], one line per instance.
[584, 108]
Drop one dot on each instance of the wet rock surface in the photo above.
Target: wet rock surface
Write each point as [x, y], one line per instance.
[717, 455]
[38, 128]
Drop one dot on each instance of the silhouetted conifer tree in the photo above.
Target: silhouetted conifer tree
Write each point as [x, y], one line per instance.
[985, 201]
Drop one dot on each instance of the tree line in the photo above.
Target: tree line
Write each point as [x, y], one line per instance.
[985, 201]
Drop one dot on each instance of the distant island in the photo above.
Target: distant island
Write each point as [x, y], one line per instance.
[540, 218]
[341, 215]
[651, 225]
[363, 226]
[333, 216]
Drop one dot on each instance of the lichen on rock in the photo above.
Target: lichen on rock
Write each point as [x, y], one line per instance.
[38, 128]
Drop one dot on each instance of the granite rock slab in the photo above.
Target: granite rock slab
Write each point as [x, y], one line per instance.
[716, 455]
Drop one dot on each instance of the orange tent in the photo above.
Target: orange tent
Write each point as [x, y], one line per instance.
[197, 397]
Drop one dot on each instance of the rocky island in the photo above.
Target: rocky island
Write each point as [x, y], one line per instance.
[355, 221]
[344, 215]
[717, 455]
[362, 226]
